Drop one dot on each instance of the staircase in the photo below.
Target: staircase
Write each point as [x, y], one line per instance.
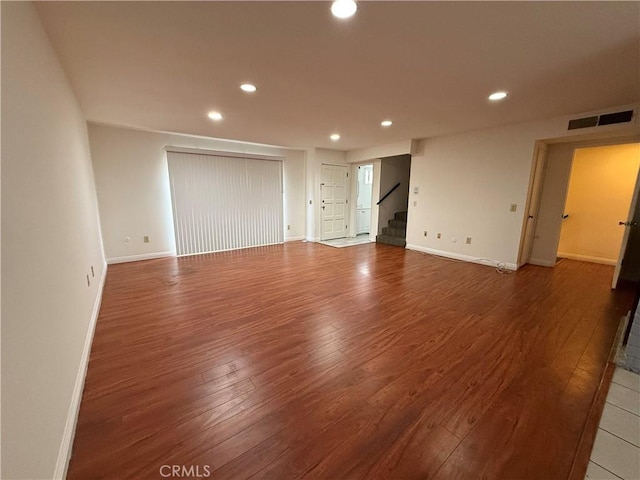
[396, 232]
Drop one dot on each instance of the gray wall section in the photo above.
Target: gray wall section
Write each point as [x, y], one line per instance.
[632, 351]
[393, 170]
[631, 263]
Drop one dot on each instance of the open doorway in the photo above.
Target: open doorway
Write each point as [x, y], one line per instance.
[548, 198]
[601, 188]
[364, 195]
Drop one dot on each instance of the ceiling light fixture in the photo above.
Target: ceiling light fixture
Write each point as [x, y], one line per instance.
[335, 137]
[217, 116]
[247, 87]
[497, 96]
[343, 8]
[386, 123]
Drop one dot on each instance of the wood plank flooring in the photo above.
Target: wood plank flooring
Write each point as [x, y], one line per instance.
[369, 362]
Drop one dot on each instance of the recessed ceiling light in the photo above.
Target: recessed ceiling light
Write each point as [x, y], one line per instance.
[247, 87]
[386, 123]
[497, 96]
[335, 137]
[343, 8]
[217, 116]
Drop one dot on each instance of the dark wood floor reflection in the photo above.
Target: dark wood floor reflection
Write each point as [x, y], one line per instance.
[369, 362]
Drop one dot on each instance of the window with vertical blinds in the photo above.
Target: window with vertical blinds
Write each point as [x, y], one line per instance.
[225, 202]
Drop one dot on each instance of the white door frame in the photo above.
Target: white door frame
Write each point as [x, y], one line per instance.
[353, 211]
[375, 194]
[536, 181]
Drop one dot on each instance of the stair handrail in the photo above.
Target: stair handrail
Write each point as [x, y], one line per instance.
[388, 193]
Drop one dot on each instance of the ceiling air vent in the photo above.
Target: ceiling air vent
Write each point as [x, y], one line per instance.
[583, 122]
[618, 117]
[596, 121]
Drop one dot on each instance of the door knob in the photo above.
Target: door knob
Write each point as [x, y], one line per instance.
[628, 224]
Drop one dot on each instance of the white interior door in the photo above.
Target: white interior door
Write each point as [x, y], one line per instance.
[534, 203]
[627, 224]
[333, 193]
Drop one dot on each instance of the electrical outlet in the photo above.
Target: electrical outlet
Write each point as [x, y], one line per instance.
[468, 240]
[425, 233]
[415, 203]
[514, 207]
[416, 190]
[127, 239]
[146, 239]
[438, 235]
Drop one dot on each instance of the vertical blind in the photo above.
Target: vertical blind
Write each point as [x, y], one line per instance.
[224, 203]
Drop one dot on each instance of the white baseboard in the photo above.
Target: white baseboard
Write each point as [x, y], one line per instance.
[137, 258]
[64, 453]
[465, 258]
[542, 262]
[312, 239]
[587, 258]
[295, 239]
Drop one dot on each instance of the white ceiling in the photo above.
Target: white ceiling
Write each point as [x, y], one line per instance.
[428, 66]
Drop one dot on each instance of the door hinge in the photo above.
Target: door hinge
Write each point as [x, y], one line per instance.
[346, 201]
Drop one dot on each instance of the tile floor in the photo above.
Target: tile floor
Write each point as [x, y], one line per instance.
[616, 451]
[348, 242]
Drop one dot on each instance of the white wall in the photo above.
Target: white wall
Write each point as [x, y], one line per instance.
[132, 180]
[402, 147]
[468, 181]
[50, 240]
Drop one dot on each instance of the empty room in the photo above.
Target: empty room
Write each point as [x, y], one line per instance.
[328, 240]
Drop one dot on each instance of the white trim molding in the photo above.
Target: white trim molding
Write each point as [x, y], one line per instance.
[295, 239]
[137, 258]
[222, 153]
[587, 258]
[66, 445]
[465, 258]
[540, 262]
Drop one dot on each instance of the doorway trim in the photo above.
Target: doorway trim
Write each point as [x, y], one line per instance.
[532, 206]
[353, 199]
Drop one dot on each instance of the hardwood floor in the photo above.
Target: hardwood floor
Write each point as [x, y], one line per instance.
[369, 362]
